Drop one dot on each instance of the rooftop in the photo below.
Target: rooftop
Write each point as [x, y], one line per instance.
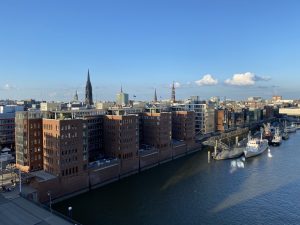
[43, 175]
[21, 211]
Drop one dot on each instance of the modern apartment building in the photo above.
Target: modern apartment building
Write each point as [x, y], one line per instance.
[7, 125]
[205, 115]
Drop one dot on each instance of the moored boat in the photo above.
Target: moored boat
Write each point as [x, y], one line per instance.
[276, 141]
[230, 154]
[285, 136]
[267, 134]
[255, 147]
[290, 129]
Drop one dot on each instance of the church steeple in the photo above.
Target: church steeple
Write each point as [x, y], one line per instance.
[76, 96]
[155, 96]
[173, 93]
[88, 91]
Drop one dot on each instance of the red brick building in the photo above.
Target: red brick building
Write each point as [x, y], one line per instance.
[157, 132]
[183, 126]
[121, 140]
[29, 141]
[63, 147]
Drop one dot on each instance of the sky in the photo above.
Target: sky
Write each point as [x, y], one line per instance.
[232, 48]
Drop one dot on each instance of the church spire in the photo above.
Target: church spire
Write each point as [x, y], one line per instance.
[155, 96]
[173, 93]
[88, 91]
[121, 89]
[88, 76]
[76, 96]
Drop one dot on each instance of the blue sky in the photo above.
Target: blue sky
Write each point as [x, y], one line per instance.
[244, 48]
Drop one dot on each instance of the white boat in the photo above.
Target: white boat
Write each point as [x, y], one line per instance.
[255, 147]
[290, 129]
[234, 152]
[277, 138]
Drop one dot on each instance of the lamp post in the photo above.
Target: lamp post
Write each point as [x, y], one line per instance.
[20, 181]
[1, 173]
[50, 201]
[70, 211]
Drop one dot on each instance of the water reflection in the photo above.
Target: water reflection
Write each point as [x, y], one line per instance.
[269, 153]
[259, 190]
[237, 164]
[257, 184]
[190, 168]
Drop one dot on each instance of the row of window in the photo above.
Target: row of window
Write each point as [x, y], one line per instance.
[127, 155]
[35, 157]
[69, 135]
[48, 127]
[70, 151]
[7, 121]
[68, 127]
[7, 127]
[35, 150]
[69, 160]
[34, 125]
[69, 171]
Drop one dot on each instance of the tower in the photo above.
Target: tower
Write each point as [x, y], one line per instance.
[155, 96]
[173, 93]
[88, 91]
[76, 97]
[122, 98]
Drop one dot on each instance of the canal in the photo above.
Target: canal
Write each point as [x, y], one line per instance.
[262, 190]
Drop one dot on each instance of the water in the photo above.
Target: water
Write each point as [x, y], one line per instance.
[265, 190]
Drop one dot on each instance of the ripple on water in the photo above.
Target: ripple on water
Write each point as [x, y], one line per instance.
[191, 191]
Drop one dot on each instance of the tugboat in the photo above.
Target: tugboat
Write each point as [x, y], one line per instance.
[276, 141]
[268, 133]
[256, 146]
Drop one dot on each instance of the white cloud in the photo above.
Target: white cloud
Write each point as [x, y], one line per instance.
[207, 80]
[245, 79]
[177, 85]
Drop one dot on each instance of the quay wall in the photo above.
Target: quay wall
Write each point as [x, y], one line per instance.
[62, 188]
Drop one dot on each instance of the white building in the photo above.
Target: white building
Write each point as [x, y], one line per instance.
[51, 106]
[205, 121]
[122, 98]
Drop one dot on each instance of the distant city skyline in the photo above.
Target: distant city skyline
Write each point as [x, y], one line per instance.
[208, 48]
